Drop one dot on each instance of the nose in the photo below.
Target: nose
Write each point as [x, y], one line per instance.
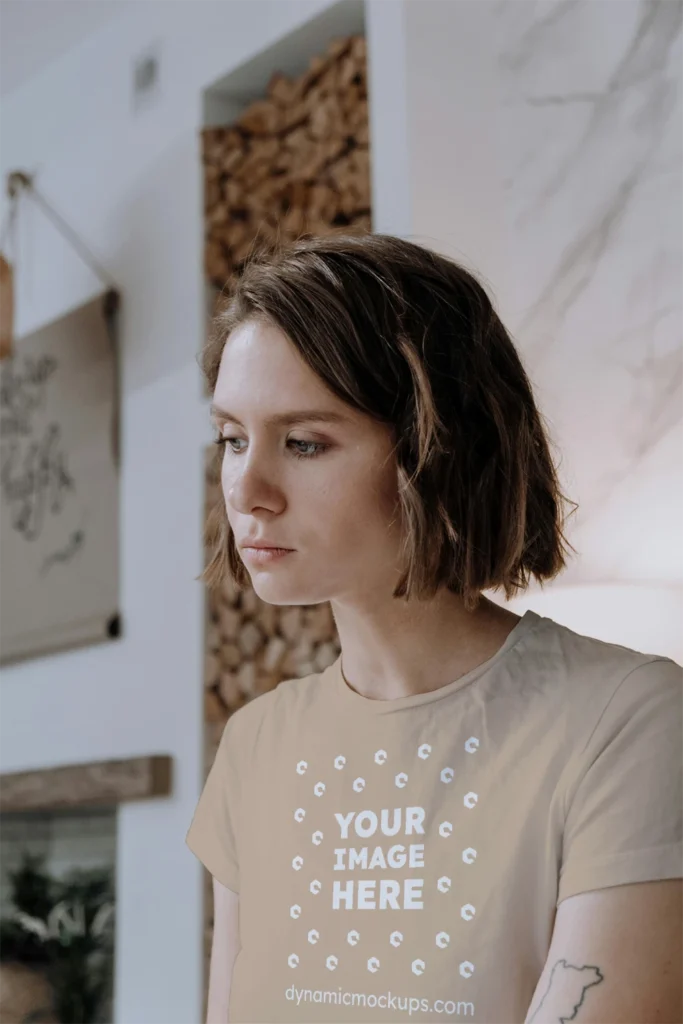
[249, 487]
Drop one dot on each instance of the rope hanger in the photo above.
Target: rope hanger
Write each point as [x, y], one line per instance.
[18, 180]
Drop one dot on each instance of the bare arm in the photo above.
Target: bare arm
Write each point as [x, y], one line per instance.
[615, 956]
[224, 950]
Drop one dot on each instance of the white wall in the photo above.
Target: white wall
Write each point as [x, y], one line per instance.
[130, 185]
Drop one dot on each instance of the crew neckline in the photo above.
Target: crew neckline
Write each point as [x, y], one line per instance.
[368, 705]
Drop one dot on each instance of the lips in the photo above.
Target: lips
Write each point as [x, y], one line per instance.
[265, 555]
[260, 546]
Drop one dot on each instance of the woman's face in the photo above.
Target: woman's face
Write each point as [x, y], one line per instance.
[304, 471]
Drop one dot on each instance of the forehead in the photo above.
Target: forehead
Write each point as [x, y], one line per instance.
[261, 357]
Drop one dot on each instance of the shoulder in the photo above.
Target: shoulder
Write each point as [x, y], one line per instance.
[587, 675]
[584, 700]
[560, 647]
[290, 698]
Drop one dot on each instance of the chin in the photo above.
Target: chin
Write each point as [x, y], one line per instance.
[282, 592]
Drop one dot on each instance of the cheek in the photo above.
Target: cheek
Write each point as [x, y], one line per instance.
[384, 492]
[366, 507]
[228, 475]
[226, 484]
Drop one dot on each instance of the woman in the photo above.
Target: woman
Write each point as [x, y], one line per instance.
[457, 817]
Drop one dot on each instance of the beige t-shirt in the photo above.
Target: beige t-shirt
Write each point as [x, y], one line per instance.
[403, 859]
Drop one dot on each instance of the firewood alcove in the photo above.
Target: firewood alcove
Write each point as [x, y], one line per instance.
[295, 162]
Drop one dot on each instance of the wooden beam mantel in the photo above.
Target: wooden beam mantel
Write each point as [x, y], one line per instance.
[92, 784]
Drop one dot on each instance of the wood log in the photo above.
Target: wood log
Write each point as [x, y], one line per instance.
[211, 669]
[281, 89]
[230, 656]
[359, 50]
[213, 638]
[232, 159]
[268, 681]
[339, 48]
[268, 617]
[250, 602]
[273, 654]
[261, 118]
[230, 592]
[361, 224]
[291, 619]
[319, 623]
[325, 655]
[229, 622]
[230, 691]
[250, 639]
[214, 709]
[246, 677]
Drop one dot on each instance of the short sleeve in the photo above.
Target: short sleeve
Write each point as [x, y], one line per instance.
[625, 817]
[212, 833]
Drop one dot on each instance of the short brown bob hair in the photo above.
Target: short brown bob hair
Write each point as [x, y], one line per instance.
[411, 338]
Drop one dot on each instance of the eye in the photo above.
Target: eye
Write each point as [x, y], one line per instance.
[315, 448]
[311, 448]
[227, 440]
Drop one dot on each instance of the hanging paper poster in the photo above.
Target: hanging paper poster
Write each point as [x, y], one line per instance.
[59, 486]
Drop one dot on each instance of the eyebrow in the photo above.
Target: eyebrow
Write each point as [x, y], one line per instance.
[286, 419]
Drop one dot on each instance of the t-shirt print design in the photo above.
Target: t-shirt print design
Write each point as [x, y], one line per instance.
[391, 862]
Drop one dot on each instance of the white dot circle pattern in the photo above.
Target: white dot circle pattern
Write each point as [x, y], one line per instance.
[467, 911]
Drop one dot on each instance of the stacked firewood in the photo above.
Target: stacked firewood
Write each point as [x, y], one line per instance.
[295, 162]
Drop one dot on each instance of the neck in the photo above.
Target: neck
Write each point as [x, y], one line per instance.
[398, 648]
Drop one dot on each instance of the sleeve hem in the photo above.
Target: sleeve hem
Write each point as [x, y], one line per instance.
[226, 874]
[652, 864]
